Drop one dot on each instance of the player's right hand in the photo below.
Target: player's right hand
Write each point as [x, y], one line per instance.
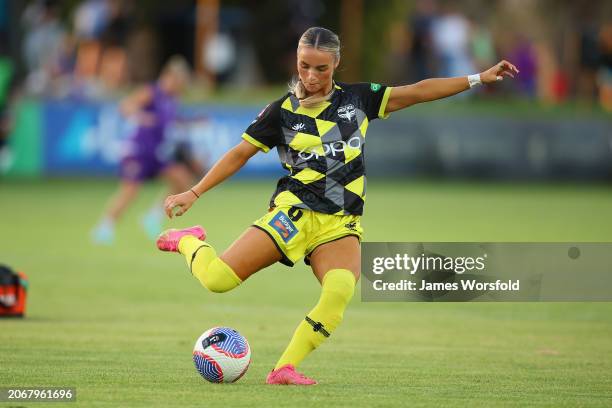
[178, 204]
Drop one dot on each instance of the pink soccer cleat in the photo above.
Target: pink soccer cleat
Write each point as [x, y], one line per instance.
[286, 375]
[169, 239]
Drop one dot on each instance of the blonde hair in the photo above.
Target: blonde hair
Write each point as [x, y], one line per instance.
[321, 39]
[178, 65]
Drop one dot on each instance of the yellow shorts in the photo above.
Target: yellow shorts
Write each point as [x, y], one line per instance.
[297, 231]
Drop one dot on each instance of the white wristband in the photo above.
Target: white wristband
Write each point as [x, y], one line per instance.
[474, 80]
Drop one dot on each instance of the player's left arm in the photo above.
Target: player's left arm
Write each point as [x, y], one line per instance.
[431, 89]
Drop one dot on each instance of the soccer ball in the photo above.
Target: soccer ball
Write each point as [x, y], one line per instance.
[221, 355]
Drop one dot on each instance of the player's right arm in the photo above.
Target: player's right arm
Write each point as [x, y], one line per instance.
[230, 163]
[263, 134]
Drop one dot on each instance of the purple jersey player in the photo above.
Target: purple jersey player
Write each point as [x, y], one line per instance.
[146, 158]
[153, 108]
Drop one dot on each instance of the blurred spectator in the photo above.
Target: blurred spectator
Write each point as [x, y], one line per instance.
[589, 58]
[44, 44]
[102, 27]
[119, 23]
[6, 79]
[421, 62]
[483, 48]
[451, 40]
[604, 73]
[4, 23]
[143, 54]
[90, 19]
[271, 50]
[113, 64]
[546, 69]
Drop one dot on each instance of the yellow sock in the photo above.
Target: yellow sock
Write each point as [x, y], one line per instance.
[204, 264]
[337, 291]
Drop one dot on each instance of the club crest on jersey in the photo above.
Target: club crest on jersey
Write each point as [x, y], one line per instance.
[283, 225]
[347, 112]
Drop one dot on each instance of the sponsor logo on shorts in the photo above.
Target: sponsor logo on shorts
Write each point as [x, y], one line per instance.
[374, 87]
[283, 225]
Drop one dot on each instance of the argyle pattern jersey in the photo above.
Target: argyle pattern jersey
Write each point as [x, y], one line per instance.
[322, 147]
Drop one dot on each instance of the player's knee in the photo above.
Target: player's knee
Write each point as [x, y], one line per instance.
[219, 277]
[340, 283]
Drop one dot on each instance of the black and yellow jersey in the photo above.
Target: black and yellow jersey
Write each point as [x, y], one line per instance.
[321, 147]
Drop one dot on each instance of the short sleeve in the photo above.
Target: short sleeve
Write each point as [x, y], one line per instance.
[374, 98]
[264, 131]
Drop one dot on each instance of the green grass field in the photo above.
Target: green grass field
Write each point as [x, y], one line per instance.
[119, 323]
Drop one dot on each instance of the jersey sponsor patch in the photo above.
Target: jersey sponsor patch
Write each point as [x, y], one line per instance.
[374, 87]
[283, 225]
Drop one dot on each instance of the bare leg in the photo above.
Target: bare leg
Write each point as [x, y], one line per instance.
[104, 232]
[251, 252]
[128, 190]
[344, 253]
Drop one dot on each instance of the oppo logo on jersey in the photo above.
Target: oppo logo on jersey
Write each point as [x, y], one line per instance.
[332, 149]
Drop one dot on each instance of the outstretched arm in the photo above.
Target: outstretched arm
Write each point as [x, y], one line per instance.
[133, 106]
[230, 163]
[437, 88]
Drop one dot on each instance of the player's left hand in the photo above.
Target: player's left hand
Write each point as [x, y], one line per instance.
[498, 72]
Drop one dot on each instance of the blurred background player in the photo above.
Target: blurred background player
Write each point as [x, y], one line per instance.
[319, 131]
[154, 109]
[6, 78]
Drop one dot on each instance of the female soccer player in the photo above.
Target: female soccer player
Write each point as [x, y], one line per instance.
[318, 129]
[154, 108]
